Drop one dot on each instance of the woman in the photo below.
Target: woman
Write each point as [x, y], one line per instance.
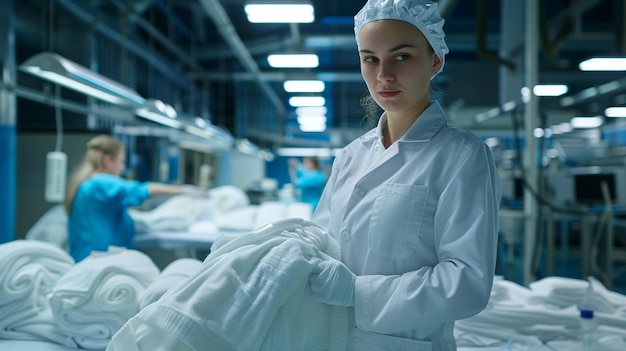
[98, 198]
[309, 178]
[413, 202]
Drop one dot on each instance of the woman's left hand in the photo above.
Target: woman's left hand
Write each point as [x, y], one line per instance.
[333, 283]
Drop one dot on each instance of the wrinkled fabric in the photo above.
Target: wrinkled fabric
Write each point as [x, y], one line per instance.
[251, 293]
[29, 272]
[93, 299]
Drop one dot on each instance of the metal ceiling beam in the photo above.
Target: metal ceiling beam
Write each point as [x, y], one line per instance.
[108, 32]
[227, 30]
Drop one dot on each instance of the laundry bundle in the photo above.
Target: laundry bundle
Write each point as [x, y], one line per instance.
[100, 293]
[29, 272]
[171, 275]
[176, 213]
[251, 293]
[544, 313]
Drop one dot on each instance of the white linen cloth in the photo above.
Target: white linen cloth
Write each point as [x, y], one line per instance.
[100, 293]
[176, 213]
[251, 293]
[545, 313]
[172, 274]
[51, 227]
[29, 270]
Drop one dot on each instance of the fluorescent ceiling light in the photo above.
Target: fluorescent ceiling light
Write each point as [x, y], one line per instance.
[314, 127]
[561, 128]
[158, 118]
[312, 119]
[304, 86]
[59, 70]
[586, 122]
[615, 112]
[159, 112]
[603, 64]
[311, 110]
[293, 60]
[299, 101]
[297, 12]
[550, 90]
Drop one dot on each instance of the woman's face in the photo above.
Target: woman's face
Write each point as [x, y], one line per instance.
[397, 63]
[116, 165]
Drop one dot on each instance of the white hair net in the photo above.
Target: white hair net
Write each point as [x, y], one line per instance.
[422, 14]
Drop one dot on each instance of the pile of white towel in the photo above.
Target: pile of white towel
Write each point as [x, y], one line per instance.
[545, 313]
[29, 270]
[46, 296]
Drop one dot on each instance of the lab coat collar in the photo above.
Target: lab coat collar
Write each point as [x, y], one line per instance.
[423, 129]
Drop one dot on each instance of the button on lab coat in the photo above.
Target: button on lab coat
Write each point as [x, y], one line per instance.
[418, 225]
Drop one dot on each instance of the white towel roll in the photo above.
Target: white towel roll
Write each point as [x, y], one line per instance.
[29, 271]
[100, 293]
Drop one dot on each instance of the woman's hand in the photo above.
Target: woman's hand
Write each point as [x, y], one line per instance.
[333, 283]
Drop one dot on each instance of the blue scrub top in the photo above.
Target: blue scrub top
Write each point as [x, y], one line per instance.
[311, 183]
[99, 217]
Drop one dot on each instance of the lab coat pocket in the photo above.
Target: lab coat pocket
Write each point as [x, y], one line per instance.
[396, 219]
[362, 340]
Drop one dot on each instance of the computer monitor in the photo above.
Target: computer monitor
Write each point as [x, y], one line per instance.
[588, 188]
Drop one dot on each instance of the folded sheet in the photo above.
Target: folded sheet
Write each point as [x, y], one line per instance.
[29, 270]
[171, 275]
[251, 293]
[100, 293]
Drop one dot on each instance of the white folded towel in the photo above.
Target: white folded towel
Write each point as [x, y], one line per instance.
[29, 271]
[100, 293]
[172, 274]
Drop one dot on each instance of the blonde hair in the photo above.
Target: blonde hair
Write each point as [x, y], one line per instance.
[91, 163]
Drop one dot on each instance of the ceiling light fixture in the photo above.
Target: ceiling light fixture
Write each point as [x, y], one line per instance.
[603, 64]
[313, 127]
[299, 101]
[586, 122]
[159, 112]
[293, 60]
[311, 110]
[550, 90]
[615, 112]
[59, 70]
[312, 119]
[274, 12]
[304, 86]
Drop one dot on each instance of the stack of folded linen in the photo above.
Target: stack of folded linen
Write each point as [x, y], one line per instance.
[100, 293]
[172, 274]
[29, 271]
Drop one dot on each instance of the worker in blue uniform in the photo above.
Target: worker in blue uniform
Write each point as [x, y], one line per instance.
[98, 198]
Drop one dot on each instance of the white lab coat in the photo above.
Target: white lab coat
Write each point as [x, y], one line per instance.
[418, 225]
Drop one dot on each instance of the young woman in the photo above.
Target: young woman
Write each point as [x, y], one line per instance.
[98, 198]
[309, 177]
[413, 202]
